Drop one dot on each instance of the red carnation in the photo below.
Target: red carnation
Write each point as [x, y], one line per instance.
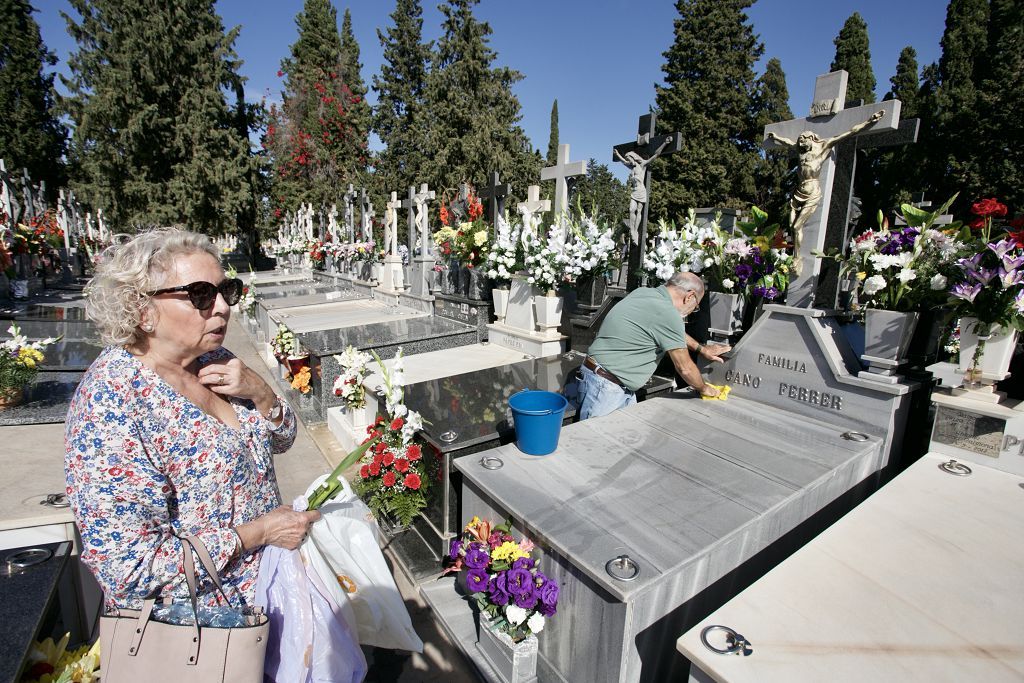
[1018, 238]
[413, 452]
[402, 465]
[364, 471]
[374, 469]
[389, 479]
[389, 458]
[378, 460]
[988, 207]
[396, 424]
[977, 223]
[412, 481]
[379, 447]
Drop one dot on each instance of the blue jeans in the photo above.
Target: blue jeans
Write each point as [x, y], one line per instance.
[599, 396]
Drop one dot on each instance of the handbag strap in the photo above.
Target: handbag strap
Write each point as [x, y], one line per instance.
[207, 562]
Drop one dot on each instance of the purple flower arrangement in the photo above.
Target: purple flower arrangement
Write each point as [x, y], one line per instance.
[989, 286]
[504, 578]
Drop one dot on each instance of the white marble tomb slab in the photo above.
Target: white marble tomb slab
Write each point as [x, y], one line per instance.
[921, 582]
[423, 367]
[335, 315]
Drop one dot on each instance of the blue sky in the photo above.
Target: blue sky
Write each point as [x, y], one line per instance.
[599, 58]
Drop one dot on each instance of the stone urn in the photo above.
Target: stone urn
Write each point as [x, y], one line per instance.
[591, 292]
[500, 297]
[478, 285]
[887, 334]
[985, 350]
[513, 662]
[548, 309]
[726, 313]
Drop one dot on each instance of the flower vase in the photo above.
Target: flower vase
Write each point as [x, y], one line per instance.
[591, 292]
[512, 662]
[479, 287]
[500, 295]
[549, 310]
[452, 277]
[726, 312]
[375, 271]
[462, 289]
[19, 289]
[296, 363]
[996, 350]
[887, 335]
[11, 396]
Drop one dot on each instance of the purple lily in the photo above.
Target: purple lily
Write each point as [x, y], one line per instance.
[1018, 302]
[965, 291]
[1001, 247]
[1012, 262]
[983, 275]
[1009, 278]
[969, 264]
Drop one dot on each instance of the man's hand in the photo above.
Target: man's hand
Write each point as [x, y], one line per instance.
[713, 352]
[709, 390]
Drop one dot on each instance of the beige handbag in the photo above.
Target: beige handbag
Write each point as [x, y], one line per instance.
[133, 648]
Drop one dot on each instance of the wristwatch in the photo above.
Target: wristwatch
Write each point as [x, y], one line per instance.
[276, 410]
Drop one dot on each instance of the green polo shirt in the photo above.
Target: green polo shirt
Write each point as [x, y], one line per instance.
[636, 334]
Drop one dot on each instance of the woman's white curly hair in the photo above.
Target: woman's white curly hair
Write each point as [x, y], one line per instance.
[116, 295]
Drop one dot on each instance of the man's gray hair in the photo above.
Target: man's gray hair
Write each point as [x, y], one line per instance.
[686, 281]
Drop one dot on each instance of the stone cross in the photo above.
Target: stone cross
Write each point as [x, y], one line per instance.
[813, 139]
[391, 224]
[101, 225]
[423, 218]
[530, 210]
[350, 220]
[8, 200]
[410, 203]
[560, 172]
[495, 194]
[332, 222]
[637, 155]
[366, 215]
[26, 193]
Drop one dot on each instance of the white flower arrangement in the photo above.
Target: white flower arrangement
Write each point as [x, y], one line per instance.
[506, 256]
[349, 384]
[684, 248]
[393, 393]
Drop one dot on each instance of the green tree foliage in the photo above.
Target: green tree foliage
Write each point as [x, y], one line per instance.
[317, 138]
[552, 156]
[473, 114]
[854, 56]
[31, 137]
[399, 117]
[601, 193]
[898, 176]
[155, 141]
[905, 83]
[774, 175]
[706, 96]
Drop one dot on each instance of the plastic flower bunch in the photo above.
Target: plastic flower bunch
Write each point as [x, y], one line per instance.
[504, 578]
[349, 384]
[393, 474]
[506, 254]
[20, 358]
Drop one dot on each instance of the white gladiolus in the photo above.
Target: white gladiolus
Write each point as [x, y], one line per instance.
[874, 284]
[907, 274]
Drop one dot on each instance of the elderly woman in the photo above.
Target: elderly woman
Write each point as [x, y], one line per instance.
[169, 434]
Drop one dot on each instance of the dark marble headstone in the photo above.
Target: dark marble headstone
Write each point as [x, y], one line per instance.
[44, 313]
[70, 331]
[70, 356]
[46, 400]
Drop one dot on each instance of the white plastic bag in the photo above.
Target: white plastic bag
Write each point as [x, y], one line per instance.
[343, 549]
[310, 640]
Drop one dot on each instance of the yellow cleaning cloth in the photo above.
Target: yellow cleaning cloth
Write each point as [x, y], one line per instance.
[723, 393]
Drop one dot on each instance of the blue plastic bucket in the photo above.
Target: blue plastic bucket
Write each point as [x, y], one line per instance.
[538, 420]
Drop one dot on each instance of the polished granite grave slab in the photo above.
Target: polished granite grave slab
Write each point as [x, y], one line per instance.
[636, 513]
[46, 400]
[70, 331]
[265, 288]
[70, 355]
[53, 313]
[285, 294]
[301, 295]
[335, 315]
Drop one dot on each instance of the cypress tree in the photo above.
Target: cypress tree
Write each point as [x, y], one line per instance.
[473, 114]
[853, 55]
[399, 117]
[898, 175]
[706, 96]
[553, 135]
[155, 141]
[905, 83]
[774, 180]
[31, 137]
[317, 137]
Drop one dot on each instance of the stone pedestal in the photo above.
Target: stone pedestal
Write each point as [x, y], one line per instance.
[392, 275]
[520, 329]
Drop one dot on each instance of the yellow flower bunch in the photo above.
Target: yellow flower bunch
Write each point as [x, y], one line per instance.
[30, 356]
[300, 381]
[509, 551]
[480, 238]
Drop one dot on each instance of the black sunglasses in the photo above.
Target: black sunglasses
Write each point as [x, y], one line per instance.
[203, 294]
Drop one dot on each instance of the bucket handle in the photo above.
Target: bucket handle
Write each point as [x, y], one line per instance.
[532, 413]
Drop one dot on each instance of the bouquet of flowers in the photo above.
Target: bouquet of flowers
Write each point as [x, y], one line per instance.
[505, 257]
[445, 241]
[542, 260]
[20, 359]
[674, 249]
[990, 286]
[363, 251]
[284, 343]
[763, 261]
[300, 380]
[349, 384]
[52, 662]
[464, 234]
[247, 302]
[472, 243]
[317, 253]
[506, 583]
[589, 249]
[393, 475]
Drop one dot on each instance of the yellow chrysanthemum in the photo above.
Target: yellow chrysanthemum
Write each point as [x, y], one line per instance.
[472, 523]
[861, 276]
[508, 551]
[480, 238]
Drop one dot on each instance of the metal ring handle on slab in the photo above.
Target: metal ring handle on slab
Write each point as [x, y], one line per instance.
[56, 500]
[855, 436]
[28, 558]
[623, 568]
[491, 462]
[737, 643]
[957, 469]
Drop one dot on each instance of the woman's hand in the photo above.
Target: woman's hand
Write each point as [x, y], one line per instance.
[232, 377]
[282, 527]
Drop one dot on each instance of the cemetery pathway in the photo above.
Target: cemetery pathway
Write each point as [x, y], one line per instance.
[314, 452]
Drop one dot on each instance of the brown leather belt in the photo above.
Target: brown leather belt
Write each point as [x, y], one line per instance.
[592, 364]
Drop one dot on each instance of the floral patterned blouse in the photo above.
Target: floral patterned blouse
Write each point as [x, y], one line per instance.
[145, 465]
